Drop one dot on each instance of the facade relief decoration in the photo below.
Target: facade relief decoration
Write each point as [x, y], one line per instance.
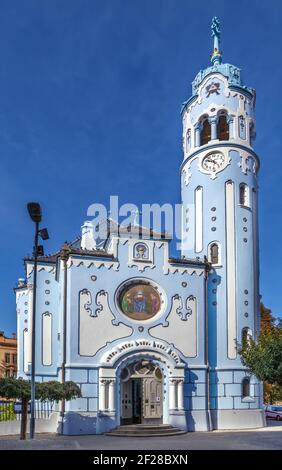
[101, 300]
[247, 163]
[183, 308]
[182, 331]
[95, 333]
[85, 302]
[141, 251]
[140, 255]
[150, 345]
[242, 127]
[213, 87]
[186, 176]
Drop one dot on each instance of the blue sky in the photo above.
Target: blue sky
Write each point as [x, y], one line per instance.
[90, 96]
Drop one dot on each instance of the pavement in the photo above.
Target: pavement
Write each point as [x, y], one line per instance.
[269, 438]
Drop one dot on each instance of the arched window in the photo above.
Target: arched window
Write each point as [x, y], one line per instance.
[214, 255]
[222, 128]
[245, 387]
[205, 132]
[244, 196]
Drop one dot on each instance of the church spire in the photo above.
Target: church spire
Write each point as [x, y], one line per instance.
[216, 56]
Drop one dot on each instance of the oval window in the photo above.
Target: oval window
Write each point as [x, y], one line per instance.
[140, 301]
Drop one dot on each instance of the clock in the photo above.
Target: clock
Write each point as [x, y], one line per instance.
[213, 162]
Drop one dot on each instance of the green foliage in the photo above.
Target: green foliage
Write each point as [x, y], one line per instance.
[52, 390]
[71, 390]
[56, 391]
[14, 388]
[264, 356]
[7, 412]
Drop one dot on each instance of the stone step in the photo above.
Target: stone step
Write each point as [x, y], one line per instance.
[145, 426]
[145, 431]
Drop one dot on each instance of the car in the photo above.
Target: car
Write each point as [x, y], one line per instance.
[273, 412]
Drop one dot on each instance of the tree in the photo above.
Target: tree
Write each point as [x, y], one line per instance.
[267, 320]
[272, 392]
[52, 390]
[263, 357]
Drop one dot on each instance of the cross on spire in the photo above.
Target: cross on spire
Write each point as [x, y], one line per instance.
[216, 56]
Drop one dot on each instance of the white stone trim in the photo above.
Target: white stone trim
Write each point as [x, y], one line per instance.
[230, 270]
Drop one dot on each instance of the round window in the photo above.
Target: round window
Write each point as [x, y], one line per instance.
[139, 301]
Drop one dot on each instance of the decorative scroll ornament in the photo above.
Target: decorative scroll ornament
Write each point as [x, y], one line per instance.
[101, 295]
[183, 313]
[85, 301]
[246, 164]
[186, 176]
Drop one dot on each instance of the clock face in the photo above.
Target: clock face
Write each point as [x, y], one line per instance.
[213, 162]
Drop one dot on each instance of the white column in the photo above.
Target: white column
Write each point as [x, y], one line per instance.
[230, 122]
[172, 394]
[112, 395]
[102, 395]
[213, 123]
[198, 219]
[231, 270]
[180, 395]
[197, 134]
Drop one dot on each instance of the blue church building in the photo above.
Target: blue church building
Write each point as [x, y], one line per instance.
[151, 339]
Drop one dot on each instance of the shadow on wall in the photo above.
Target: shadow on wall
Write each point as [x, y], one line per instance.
[96, 423]
[76, 423]
[190, 390]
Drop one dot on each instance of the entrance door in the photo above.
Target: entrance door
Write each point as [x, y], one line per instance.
[141, 394]
[136, 401]
[152, 400]
[126, 402]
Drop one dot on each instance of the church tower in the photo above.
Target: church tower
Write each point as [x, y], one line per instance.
[219, 221]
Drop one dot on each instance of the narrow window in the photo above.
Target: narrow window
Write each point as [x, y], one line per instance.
[246, 336]
[252, 132]
[7, 358]
[245, 387]
[244, 195]
[222, 128]
[205, 132]
[214, 253]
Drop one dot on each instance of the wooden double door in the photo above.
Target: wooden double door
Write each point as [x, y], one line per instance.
[142, 401]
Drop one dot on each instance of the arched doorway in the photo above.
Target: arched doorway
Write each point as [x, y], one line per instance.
[141, 393]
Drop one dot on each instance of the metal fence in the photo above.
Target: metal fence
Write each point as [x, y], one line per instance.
[11, 410]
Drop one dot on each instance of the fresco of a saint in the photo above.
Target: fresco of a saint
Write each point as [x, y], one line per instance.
[140, 301]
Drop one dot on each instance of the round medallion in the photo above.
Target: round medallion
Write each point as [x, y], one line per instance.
[139, 301]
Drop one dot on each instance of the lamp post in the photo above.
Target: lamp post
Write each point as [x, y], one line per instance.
[34, 211]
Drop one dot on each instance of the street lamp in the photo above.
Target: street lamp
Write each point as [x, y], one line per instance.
[34, 211]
